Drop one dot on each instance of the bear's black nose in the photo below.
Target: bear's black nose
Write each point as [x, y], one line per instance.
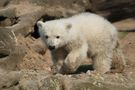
[51, 47]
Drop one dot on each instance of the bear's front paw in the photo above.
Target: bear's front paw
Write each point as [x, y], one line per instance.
[67, 69]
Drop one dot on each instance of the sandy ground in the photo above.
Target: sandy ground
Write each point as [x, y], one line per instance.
[37, 57]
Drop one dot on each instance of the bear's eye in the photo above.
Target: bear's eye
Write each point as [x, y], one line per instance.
[57, 37]
[46, 37]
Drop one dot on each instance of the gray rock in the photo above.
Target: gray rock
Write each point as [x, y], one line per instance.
[10, 52]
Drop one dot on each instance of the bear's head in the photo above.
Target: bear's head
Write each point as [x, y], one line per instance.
[55, 34]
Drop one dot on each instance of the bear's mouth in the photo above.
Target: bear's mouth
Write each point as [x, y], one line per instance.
[51, 48]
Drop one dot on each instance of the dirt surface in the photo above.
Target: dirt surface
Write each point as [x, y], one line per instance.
[25, 7]
[126, 24]
[37, 56]
[128, 44]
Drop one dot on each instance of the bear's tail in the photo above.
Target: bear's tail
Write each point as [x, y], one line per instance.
[118, 62]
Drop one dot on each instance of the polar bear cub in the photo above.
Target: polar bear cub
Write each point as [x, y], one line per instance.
[73, 39]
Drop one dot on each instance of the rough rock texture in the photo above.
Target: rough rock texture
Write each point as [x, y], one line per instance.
[115, 10]
[36, 57]
[126, 25]
[10, 52]
[25, 62]
[129, 45]
[39, 80]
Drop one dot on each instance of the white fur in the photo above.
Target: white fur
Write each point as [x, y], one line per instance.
[87, 34]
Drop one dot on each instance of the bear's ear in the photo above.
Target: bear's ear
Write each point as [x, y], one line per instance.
[40, 24]
[68, 26]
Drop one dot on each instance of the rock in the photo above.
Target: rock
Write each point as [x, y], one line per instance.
[37, 56]
[4, 3]
[114, 10]
[126, 25]
[29, 85]
[6, 22]
[9, 79]
[64, 3]
[10, 52]
[52, 83]
[40, 80]
[128, 45]
[8, 12]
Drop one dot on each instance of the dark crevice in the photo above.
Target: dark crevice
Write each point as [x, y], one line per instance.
[2, 18]
[119, 15]
[89, 10]
[132, 30]
[84, 68]
[48, 18]
[14, 20]
[4, 87]
[6, 21]
[74, 2]
[109, 6]
[6, 3]
[116, 15]
[2, 55]
[90, 1]
[35, 34]
[14, 84]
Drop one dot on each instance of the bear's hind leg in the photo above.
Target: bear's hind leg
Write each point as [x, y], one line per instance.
[102, 62]
[118, 62]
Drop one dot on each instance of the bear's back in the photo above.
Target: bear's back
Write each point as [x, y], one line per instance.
[89, 22]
